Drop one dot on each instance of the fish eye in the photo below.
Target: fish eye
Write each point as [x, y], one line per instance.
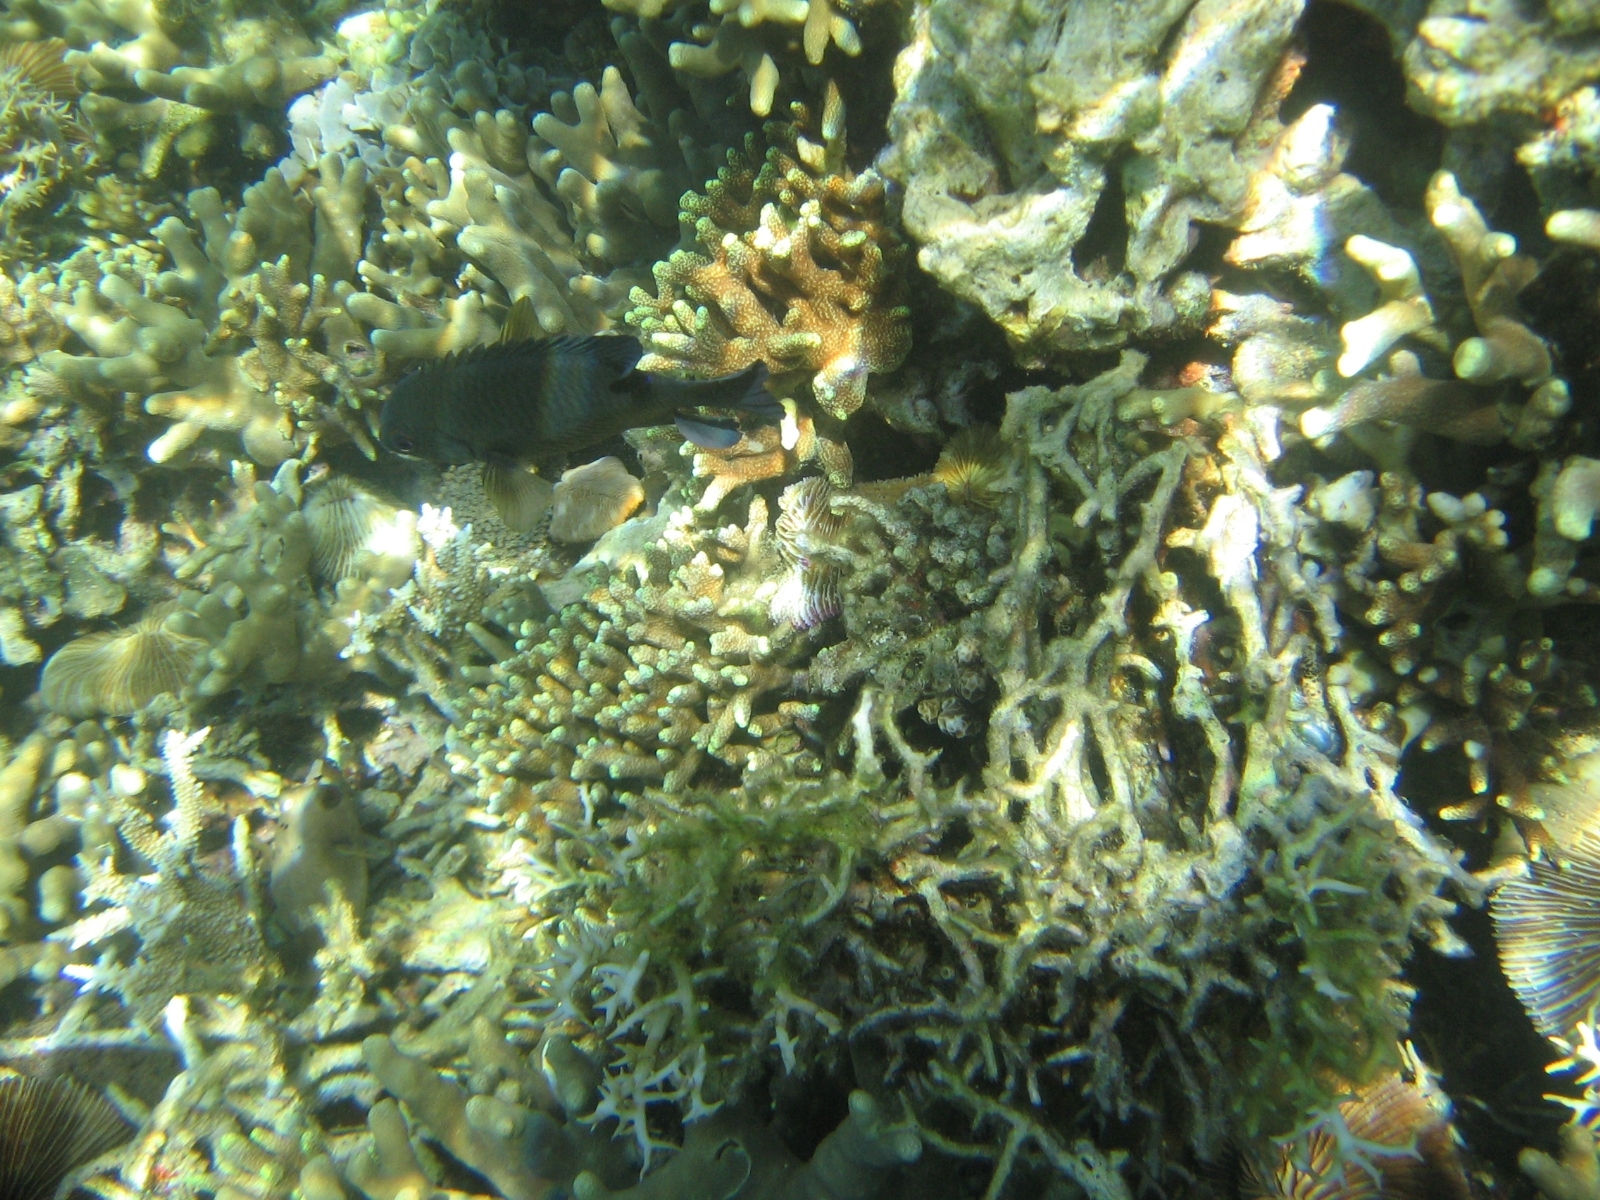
[402, 444]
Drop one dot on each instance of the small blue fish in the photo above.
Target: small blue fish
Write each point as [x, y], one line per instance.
[532, 400]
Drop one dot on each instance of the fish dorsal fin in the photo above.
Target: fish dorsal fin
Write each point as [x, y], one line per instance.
[522, 323]
[617, 351]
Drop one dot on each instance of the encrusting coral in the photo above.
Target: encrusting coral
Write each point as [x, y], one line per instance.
[1006, 134]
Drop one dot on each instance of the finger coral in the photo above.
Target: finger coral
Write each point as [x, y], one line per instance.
[1277, 362]
[799, 271]
[192, 72]
[733, 43]
[226, 341]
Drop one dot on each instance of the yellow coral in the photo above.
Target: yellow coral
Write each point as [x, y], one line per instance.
[973, 467]
[120, 671]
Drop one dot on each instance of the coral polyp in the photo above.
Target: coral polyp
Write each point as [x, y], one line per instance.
[118, 672]
[974, 467]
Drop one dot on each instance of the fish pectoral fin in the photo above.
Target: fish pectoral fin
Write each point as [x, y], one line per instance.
[518, 495]
[522, 323]
[709, 434]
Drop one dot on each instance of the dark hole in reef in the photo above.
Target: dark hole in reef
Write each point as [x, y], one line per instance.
[880, 452]
[1096, 763]
[1208, 243]
[457, 1176]
[1351, 64]
[959, 756]
[713, 773]
[729, 996]
[99, 508]
[537, 22]
[956, 835]
[359, 724]
[1102, 251]
[286, 739]
[1563, 306]
[867, 86]
[1516, 209]
[343, 1116]
[1469, 1026]
[808, 1107]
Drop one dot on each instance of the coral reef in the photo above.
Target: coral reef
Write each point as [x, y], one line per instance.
[1043, 800]
[1006, 156]
[800, 271]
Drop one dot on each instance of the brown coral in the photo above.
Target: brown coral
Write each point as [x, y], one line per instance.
[802, 271]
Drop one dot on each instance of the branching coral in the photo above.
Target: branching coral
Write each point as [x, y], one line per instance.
[734, 43]
[228, 339]
[570, 217]
[989, 944]
[1504, 386]
[193, 72]
[670, 661]
[801, 272]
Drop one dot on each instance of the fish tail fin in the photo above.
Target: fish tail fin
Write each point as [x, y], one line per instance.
[755, 398]
[745, 392]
